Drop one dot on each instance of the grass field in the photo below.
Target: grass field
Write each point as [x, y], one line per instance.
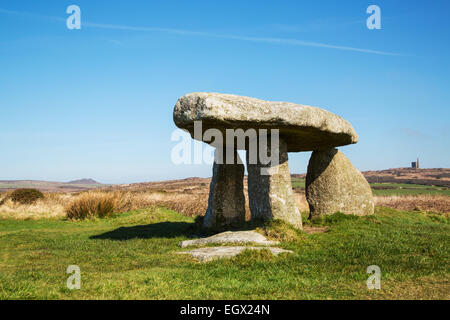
[298, 183]
[132, 256]
[389, 189]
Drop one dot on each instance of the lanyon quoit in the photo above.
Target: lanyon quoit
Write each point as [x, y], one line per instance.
[332, 183]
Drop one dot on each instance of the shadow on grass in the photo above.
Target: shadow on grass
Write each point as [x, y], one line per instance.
[155, 230]
[169, 230]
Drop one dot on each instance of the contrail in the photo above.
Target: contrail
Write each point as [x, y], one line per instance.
[285, 41]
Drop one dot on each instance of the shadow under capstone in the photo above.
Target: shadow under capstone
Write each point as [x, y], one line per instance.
[156, 230]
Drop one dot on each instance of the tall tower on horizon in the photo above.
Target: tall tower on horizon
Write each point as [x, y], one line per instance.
[417, 164]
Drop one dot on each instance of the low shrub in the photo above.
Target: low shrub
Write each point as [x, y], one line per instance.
[23, 196]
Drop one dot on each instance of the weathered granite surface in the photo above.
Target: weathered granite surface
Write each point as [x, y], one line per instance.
[304, 128]
[333, 185]
[213, 253]
[230, 237]
[226, 203]
[270, 195]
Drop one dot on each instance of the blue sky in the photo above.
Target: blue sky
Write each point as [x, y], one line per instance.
[98, 102]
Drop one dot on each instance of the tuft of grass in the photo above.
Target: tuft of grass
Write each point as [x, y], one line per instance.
[94, 204]
[280, 231]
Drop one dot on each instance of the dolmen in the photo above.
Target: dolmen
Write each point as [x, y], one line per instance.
[268, 131]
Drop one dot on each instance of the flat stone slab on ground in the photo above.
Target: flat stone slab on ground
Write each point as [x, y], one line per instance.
[212, 253]
[230, 237]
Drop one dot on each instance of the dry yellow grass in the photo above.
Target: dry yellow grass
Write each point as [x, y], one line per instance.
[184, 203]
[52, 206]
[431, 203]
[101, 203]
[188, 202]
[94, 204]
[90, 203]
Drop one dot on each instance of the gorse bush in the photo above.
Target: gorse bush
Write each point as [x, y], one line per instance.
[23, 196]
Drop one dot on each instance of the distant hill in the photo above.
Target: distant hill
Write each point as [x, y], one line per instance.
[50, 186]
[430, 177]
[84, 181]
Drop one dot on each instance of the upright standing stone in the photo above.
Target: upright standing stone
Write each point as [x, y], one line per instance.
[270, 195]
[333, 185]
[226, 203]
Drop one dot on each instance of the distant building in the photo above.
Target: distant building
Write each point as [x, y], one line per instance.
[415, 165]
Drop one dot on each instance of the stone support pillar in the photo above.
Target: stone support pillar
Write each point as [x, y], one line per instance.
[226, 203]
[270, 190]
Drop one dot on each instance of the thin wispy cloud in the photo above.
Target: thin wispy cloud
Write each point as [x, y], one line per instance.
[268, 40]
[318, 25]
[296, 42]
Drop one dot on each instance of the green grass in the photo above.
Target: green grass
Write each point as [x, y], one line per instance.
[132, 256]
[392, 188]
[408, 189]
[298, 183]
